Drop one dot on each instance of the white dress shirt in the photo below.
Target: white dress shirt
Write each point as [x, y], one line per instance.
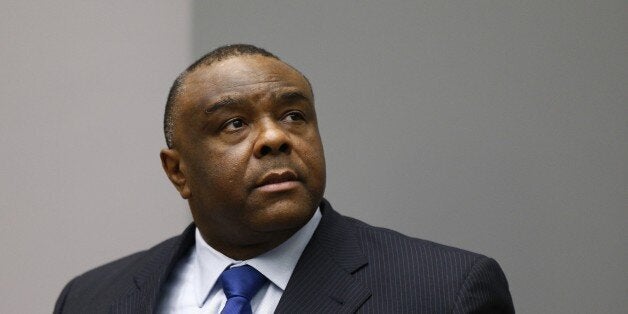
[194, 288]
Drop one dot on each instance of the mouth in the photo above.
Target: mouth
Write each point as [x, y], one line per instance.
[277, 181]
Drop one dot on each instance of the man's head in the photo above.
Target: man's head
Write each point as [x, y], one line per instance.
[244, 148]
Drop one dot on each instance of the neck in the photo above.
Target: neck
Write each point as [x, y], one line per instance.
[243, 250]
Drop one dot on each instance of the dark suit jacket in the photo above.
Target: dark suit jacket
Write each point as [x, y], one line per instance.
[347, 266]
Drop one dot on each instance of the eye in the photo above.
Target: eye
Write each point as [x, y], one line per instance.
[234, 125]
[294, 116]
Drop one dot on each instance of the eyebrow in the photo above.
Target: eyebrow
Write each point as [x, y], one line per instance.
[229, 101]
[293, 97]
[223, 102]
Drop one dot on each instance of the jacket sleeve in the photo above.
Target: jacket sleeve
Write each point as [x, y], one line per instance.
[485, 290]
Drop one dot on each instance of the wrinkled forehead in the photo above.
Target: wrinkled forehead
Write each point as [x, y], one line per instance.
[243, 74]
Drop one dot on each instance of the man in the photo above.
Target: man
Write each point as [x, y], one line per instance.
[245, 151]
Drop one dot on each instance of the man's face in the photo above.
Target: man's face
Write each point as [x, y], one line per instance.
[248, 150]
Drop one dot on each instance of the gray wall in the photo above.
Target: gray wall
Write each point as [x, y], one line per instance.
[496, 126]
[82, 96]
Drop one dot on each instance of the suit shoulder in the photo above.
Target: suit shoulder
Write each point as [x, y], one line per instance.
[413, 257]
[452, 279]
[384, 239]
[105, 283]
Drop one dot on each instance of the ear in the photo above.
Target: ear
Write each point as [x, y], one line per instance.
[175, 170]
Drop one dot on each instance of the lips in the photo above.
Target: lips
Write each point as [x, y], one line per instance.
[278, 180]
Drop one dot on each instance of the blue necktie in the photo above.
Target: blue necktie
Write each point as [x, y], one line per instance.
[240, 284]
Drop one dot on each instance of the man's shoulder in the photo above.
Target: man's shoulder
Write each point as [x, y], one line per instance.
[449, 279]
[412, 258]
[108, 282]
[385, 246]
[425, 277]
[380, 240]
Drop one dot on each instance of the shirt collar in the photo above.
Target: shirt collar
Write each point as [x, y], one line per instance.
[277, 264]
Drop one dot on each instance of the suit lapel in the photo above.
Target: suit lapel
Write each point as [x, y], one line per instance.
[151, 277]
[322, 280]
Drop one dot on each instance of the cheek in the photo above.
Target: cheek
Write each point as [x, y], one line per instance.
[234, 160]
[227, 168]
[314, 157]
[314, 148]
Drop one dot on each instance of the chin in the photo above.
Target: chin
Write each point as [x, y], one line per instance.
[283, 214]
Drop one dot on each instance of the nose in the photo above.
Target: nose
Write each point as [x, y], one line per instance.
[271, 140]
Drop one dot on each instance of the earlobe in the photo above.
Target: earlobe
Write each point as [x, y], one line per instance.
[175, 170]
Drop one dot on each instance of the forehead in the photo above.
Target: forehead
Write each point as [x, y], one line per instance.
[242, 75]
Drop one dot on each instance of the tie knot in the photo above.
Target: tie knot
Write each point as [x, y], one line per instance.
[243, 281]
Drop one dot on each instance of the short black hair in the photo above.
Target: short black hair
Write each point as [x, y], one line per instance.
[218, 54]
